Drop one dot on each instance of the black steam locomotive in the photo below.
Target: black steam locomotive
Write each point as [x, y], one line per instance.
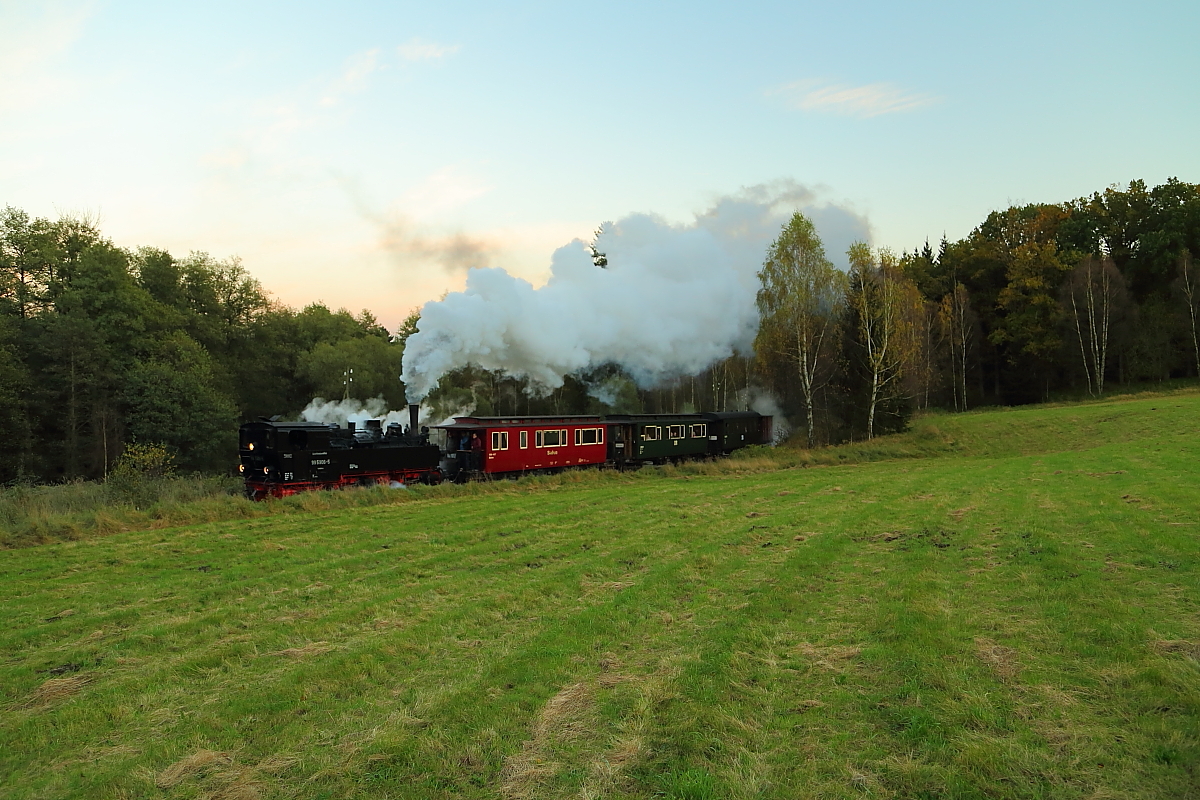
[283, 458]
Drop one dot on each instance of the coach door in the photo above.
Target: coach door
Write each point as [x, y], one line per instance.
[620, 442]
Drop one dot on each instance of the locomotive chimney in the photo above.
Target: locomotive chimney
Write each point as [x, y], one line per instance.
[350, 425]
[413, 411]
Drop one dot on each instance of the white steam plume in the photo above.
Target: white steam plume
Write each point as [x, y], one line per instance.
[673, 299]
[762, 401]
[340, 412]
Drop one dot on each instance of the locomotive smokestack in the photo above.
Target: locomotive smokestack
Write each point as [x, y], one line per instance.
[413, 411]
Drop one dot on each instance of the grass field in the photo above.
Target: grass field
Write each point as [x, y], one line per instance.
[997, 604]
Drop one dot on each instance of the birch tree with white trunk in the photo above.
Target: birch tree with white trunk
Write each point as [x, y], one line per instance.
[799, 301]
[1095, 292]
[1189, 285]
[957, 322]
[877, 294]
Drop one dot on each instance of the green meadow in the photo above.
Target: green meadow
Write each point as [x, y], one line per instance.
[999, 604]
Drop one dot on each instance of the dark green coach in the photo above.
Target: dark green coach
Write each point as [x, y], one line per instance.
[657, 438]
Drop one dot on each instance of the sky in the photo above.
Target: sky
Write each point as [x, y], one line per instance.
[367, 154]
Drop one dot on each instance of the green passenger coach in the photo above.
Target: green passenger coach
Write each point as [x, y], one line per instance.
[730, 430]
[659, 438]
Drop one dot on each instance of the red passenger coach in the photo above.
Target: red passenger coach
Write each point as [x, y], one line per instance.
[504, 445]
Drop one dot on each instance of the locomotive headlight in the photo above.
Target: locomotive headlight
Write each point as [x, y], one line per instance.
[266, 470]
[252, 445]
[241, 467]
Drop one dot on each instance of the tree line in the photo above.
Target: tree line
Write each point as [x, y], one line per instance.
[102, 346]
[1038, 299]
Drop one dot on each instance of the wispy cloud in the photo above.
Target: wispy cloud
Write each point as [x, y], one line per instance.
[353, 78]
[442, 191]
[870, 100]
[32, 38]
[417, 49]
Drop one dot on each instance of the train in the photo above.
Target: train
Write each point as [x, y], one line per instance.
[278, 459]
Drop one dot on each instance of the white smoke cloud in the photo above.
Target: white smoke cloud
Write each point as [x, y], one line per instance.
[673, 299]
[339, 412]
[764, 403]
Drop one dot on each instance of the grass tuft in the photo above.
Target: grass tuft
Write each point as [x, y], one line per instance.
[186, 768]
[55, 690]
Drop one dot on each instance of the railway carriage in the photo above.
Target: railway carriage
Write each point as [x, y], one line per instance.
[514, 445]
[658, 438]
[731, 430]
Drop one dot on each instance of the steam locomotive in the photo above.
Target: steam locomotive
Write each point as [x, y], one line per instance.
[282, 458]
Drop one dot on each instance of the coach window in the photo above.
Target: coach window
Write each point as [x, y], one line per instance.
[676, 431]
[651, 433]
[589, 436]
[699, 431]
[524, 439]
[550, 438]
[499, 440]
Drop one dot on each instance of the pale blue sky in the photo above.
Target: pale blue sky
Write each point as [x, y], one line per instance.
[344, 152]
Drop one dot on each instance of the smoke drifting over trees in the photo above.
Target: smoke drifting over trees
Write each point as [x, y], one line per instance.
[670, 300]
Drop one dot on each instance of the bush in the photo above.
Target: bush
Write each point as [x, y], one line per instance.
[138, 477]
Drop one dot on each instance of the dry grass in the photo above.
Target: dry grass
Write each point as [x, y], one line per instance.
[835, 657]
[310, 649]
[1002, 660]
[198, 762]
[568, 733]
[1183, 647]
[564, 717]
[606, 773]
[55, 690]
[224, 780]
[239, 789]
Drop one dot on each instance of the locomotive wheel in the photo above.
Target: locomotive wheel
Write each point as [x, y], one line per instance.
[432, 478]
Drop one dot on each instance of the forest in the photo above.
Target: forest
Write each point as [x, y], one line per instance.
[102, 346]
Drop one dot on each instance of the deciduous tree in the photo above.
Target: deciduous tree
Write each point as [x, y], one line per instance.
[799, 302]
[877, 292]
[1189, 287]
[957, 323]
[1094, 293]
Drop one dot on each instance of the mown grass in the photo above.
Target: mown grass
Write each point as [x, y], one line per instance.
[1017, 617]
[33, 515]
